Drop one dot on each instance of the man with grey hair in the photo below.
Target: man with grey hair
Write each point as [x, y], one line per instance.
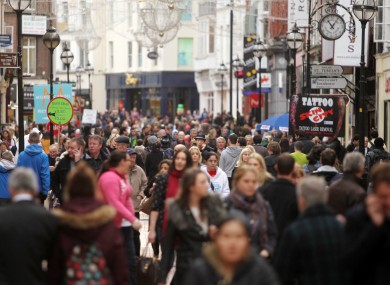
[27, 232]
[350, 189]
[312, 247]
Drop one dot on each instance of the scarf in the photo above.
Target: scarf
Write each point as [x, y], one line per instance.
[255, 210]
[172, 189]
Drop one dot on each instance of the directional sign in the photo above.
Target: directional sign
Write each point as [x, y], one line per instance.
[328, 83]
[60, 111]
[8, 60]
[326, 70]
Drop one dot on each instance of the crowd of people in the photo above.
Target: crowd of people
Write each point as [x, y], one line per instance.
[226, 204]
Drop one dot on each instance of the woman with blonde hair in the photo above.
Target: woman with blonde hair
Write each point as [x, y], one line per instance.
[111, 144]
[244, 156]
[257, 161]
[196, 156]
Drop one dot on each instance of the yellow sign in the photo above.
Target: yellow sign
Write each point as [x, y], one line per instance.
[131, 79]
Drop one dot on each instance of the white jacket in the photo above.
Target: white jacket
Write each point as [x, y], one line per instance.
[219, 183]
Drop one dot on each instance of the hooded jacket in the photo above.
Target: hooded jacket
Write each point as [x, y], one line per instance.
[33, 157]
[219, 183]
[229, 158]
[5, 171]
[88, 220]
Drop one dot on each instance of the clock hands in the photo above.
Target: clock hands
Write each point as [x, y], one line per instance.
[331, 26]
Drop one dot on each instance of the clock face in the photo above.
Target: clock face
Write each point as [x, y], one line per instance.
[332, 27]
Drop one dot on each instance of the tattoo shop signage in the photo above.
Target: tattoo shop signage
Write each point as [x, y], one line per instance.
[318, 115]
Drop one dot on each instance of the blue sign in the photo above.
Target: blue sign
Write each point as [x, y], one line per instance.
[42, 99]
[5, 40]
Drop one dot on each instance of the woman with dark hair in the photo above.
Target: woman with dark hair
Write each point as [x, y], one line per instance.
[284, 145]
[313, 159]
[87, 222]
[190, 216]
[230, 260]
[116, 191]
[246, 199]
[167, 186]
[219, 182]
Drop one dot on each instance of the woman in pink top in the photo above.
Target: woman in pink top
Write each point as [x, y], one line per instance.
[116, 192]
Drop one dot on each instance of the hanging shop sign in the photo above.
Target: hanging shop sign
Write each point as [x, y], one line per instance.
[318, 115]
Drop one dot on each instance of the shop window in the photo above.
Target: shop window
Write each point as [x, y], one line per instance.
[29, 55]
[185, 52]
[210, 102]
[211, 36]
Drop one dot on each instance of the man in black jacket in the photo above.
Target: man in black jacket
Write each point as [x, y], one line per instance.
[27, 232]
[368, 233]
[281, 193]
[307, 143]
[311, 248]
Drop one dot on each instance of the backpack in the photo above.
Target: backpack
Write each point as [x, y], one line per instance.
[379, 156]
[86, 265]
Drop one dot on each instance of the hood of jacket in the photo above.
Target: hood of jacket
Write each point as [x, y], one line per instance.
[6, 166]
[82, 217]
[204, 169]
[33, 149]
[233, 151]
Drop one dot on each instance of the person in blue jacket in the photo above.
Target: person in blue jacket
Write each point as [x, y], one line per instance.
[33, 157]
[6, 166]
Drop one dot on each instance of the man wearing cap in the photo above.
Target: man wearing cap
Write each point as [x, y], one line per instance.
[27, 231]
[138, 181]
[201, 144]
[122, 144]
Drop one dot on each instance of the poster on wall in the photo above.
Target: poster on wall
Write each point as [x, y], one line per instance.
[318, 115]
[250, 74]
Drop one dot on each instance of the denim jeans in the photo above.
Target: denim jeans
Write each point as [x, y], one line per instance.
[127, 233]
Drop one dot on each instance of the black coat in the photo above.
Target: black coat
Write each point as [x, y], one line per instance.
[28, 233]
[58, 178]
[311, 249]
[152, 162]
[252, 271]
[183, 228]
[307, 145]
[368, 251]
[270, 162]
[282, 197]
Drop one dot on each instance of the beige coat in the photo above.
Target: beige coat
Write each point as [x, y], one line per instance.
[138, 181]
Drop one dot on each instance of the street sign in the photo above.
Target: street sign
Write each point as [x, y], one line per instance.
[60, 111]
[326, 70]
[8, 60]
[328, 83]
[5, 40]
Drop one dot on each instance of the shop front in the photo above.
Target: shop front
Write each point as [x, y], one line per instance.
[383, 95]
[153, 93]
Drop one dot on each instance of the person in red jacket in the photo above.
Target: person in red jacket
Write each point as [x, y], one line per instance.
[86, 221]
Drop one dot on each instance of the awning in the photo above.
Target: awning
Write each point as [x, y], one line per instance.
[279, 123]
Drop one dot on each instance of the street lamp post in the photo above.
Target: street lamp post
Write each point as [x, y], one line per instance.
[67, 58]
[79, 72]
[238, 65]
[221, 71]
[364, 10]
[51, 40]
[19, 6]
[294, 41]
[89, 69]
[259, 51]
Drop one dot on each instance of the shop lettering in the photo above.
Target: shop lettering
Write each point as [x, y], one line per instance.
[131, 79]
[314, 102]
[316, 115]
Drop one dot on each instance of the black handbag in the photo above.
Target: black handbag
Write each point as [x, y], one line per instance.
[147, 269]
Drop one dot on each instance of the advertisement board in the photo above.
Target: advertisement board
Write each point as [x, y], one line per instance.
[318, 115]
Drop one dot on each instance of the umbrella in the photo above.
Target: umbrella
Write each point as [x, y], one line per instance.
[279, 123]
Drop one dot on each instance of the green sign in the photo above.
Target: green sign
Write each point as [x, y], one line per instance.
[60, 111]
